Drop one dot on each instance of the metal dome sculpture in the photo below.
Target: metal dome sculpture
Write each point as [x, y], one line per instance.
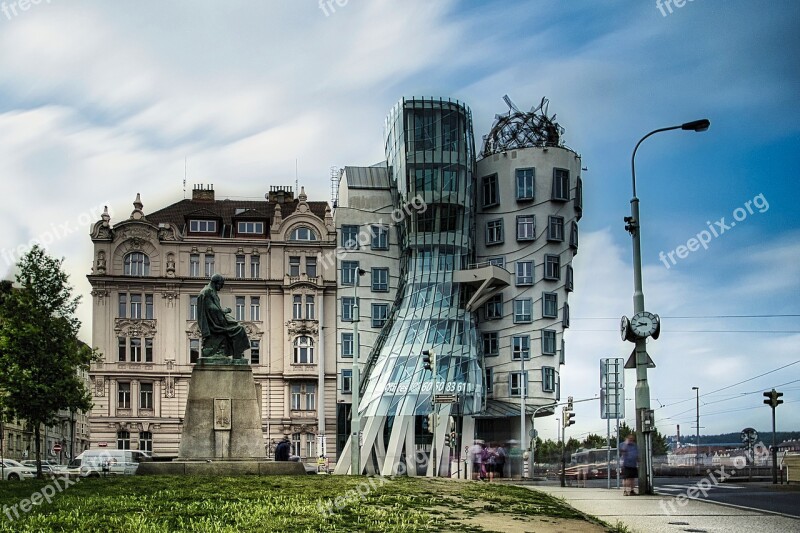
[516, 129]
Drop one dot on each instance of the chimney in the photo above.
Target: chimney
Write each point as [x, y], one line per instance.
[280, 194]
[679, 437]
[203, 193]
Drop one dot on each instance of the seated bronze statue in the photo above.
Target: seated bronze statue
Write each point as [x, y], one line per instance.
[223, 336]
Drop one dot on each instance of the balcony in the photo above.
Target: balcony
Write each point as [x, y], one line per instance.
[302, 278]
[301, 371]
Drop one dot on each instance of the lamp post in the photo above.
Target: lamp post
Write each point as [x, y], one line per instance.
[697, 410]
[355, 419]
[641, 358]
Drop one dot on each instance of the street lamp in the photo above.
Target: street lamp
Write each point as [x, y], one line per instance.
[697, 410]
[355, 419]
[647, 325]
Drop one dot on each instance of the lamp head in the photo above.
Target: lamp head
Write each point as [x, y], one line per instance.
[697, 125]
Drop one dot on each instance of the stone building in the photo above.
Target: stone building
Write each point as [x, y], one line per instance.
[277, 256]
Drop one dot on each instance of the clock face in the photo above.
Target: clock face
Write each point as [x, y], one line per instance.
[624, 328]
[644, 324]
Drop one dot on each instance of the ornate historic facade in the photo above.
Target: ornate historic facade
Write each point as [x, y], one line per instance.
[277, 258]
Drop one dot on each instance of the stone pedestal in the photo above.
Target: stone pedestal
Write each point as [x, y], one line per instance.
[222, 420]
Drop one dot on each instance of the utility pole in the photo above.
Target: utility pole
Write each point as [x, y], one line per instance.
[697, 410]
[355, 419]
[429, 363]
[773, 400]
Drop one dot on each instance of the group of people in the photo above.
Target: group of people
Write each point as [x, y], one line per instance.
[488, 461]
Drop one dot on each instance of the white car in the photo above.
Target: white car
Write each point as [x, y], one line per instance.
[15, 471]
[49, 468]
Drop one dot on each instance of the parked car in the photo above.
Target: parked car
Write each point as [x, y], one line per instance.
[15, 471]
[49, 468]
[96, 463]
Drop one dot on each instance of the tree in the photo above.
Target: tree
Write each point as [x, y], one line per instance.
[40, 354]
[594, 441]
[659, 441]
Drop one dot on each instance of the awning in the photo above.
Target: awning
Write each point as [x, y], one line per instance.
[501, 409]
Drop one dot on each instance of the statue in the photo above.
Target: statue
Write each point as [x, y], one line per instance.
[223, 336]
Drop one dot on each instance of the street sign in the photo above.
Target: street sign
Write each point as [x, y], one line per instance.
[445, 398]
[57, 448]
[102, 444]
[533, 433]
[749, 436]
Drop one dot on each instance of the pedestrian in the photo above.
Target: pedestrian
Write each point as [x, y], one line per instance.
[475, 454]
[630, 461]
[282, 450]
[500, 460]
[490, 459]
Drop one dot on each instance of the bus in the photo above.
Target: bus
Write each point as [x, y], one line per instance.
[593, 463]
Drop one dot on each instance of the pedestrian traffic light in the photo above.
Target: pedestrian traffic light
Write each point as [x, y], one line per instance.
[773, 398]
[569, 419]
[426, 359]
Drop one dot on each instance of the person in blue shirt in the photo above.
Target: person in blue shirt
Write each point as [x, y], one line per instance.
[630, 461]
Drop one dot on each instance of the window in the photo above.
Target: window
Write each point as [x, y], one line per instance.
[302, 234]
[148, 350]
[520, 347]
[579, 196]
[424, 130]
[525, 189]
[148, 306]
[146, 441]
[194, 265]
[347, 381]
[562, 353]
[439, 332]
[494, 307]
[123, 305]
[380, 238]
[450, 132]
[426, 179]
[518, 384]
[548, 379]
[526, 227]
[296, 444]
[295, 397]
[240, 266]
[552, 267]
[136, 306]
[491, 344]
[145, 396]
[560, 184]
[303, 397]
[124, 395]
[573, 235]
[137, 264]
[524, 273]
[426, 220]
[209, 265]
[311, 445]
[122, 348]
[311, 397]
[489, 376]
[255, 266]
[380, 313]
[349, 272]
[123, 440]
[549, 305]
[494, 231]
[304, 350]
[348, 309]
[192, 307]
[311, 267]
[380, 279]
[548, 342]
[491, 193]
[136, 350]
[203, 226]
[523, 310]
[497, 261]
[555, 228]
[194, 350]
[255, 352]
[449, 180]
[250, 227]
[294, 266]
[239, 308]
[347, 345]
[570, 283]
[297, 307]
[255, 308]
[350, 237]
[565, 315]
[310, 311]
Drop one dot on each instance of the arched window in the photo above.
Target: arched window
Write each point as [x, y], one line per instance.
[302, 233]
[137, 264]
[304, 350]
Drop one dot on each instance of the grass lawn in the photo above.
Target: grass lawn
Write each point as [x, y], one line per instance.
[307, 503]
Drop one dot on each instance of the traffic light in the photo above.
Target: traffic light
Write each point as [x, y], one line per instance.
[569, 419]
[426, 359]
[447, 439]
[773, 398]
[631, 225]
[453, 441]
[430, 422]
[569, 403]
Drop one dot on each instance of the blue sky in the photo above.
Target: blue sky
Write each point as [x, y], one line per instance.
[101, 100]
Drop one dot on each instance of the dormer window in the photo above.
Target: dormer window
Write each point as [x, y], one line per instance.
[137, 264]
[302, 234]
[203, 226]
[250, 227]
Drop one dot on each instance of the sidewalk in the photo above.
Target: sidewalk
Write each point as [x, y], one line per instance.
[653, 514]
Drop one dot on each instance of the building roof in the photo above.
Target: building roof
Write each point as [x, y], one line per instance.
[228, 209]
[374, 177]
[501, 409]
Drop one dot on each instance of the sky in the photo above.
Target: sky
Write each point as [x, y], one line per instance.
[100, 101]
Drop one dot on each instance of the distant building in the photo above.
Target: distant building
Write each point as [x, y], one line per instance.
[277, 258]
